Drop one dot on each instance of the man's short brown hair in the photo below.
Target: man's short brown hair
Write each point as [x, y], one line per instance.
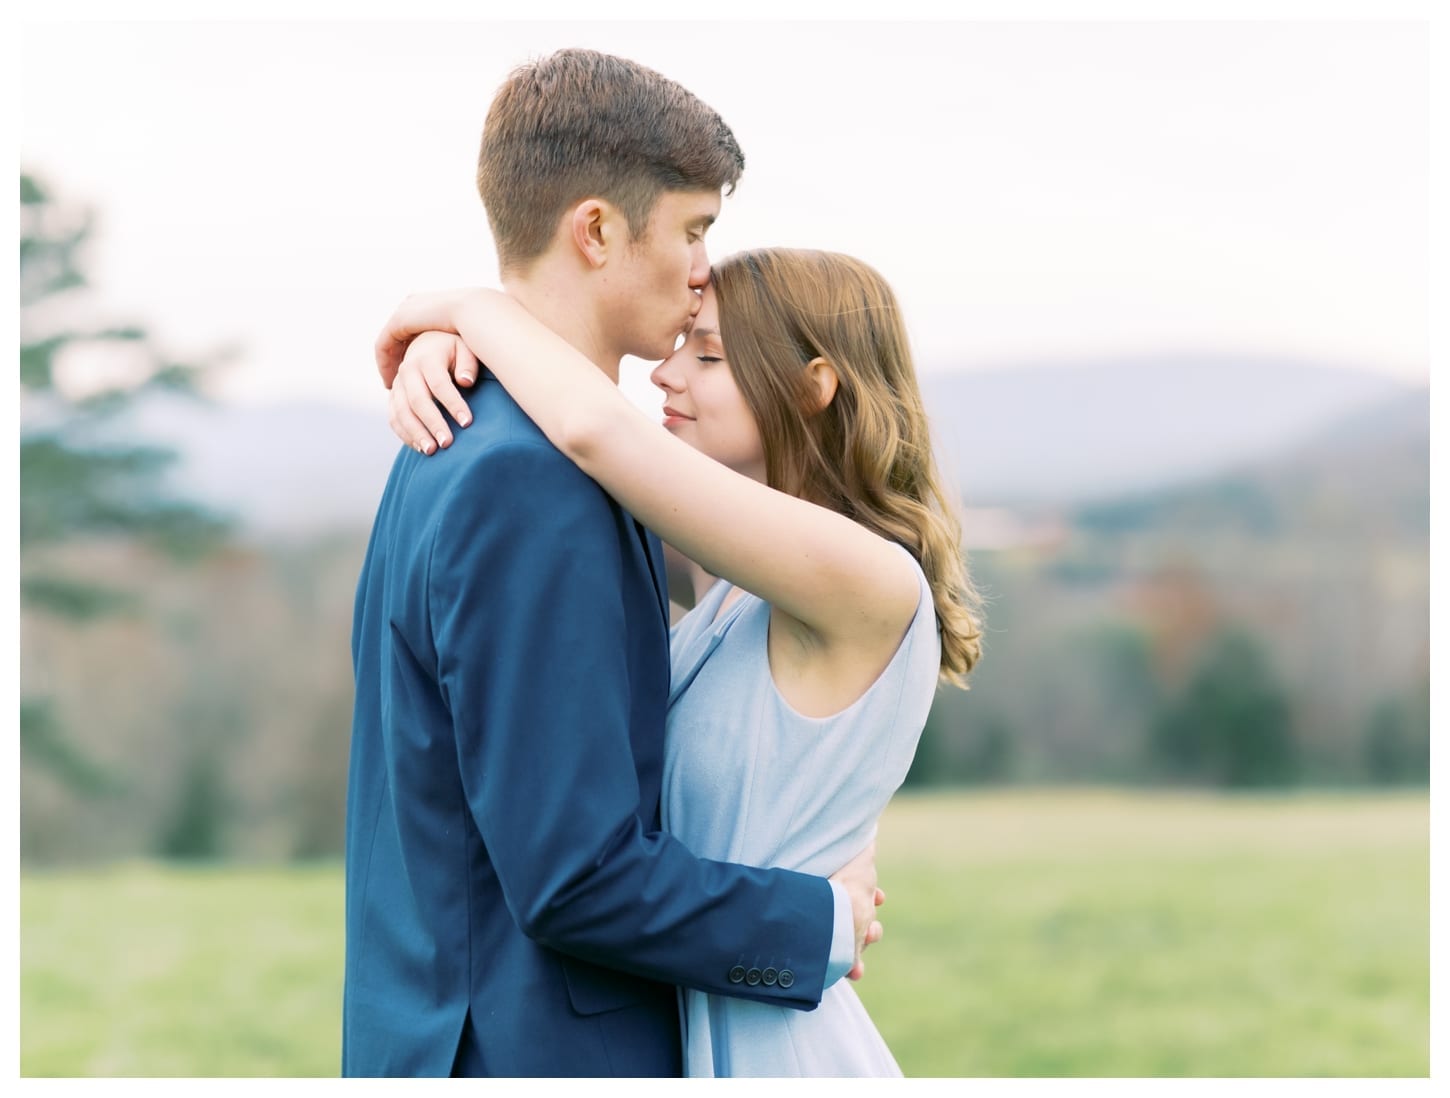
[581, 124]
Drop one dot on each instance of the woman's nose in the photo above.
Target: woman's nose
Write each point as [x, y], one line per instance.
[664, 376]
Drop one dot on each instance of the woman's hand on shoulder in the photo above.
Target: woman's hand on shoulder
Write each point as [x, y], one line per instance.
[423, 380]
[423, 361]
[435, 310]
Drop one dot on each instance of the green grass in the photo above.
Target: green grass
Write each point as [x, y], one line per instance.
[162, 971]
[1109, 935]
[1037, 934]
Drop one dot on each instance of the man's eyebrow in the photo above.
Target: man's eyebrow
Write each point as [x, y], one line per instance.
[704, 220]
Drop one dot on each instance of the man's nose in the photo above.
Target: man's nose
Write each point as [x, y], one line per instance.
[699, 268]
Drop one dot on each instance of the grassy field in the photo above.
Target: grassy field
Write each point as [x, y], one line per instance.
[1027, 934]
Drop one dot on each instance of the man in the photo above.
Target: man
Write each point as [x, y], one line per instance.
[512, 907]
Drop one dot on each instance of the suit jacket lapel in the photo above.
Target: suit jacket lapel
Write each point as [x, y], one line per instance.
[655, 554]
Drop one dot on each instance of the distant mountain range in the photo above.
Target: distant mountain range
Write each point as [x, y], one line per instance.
[291, 469]
[1064, 433]
[1060, 434]
[1364, 476]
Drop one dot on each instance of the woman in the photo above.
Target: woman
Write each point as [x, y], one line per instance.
[796, 482]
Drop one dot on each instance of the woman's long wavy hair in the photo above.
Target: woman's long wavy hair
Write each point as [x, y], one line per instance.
[867, 454]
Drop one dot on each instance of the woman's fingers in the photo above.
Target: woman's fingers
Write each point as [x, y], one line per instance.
[424, 378]
[406, 425]
[417, 313]
[436, 373]
[388, 353]
[411, 411]
[465, 369]
[413, 388]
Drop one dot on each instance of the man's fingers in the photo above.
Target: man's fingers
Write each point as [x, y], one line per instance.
[874, 933]
[880, 897]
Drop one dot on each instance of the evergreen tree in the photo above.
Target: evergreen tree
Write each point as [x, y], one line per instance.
[1231, 724]
[1397, 739]
[81, 478]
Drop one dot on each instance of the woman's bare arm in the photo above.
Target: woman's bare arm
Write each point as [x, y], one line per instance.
[845, 583]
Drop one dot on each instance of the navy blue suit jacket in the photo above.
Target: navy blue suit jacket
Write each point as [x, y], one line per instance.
[512, 906]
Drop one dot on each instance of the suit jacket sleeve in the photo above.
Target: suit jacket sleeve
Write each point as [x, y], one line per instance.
[525, 603]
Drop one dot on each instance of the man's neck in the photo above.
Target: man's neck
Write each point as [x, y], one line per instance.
[554, 305]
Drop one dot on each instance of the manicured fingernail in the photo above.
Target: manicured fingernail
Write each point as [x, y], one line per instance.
[465, 379]
[465, 420]
[425, 447]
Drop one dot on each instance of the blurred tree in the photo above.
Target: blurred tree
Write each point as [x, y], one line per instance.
[194, 828]
[988, 751]
[962, 744]
[1107, 671]
[210, 716]
[80, 478]
[1397, 739]
[929, 764]
[1230, 726]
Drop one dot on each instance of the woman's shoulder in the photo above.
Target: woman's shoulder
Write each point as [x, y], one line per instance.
[817, 678]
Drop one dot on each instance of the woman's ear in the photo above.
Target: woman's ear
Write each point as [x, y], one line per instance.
[824, 380]
[590, 230]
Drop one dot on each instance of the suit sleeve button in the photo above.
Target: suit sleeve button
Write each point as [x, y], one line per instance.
[753, 977]
[786, 978]
[737, 974]
[769, 977]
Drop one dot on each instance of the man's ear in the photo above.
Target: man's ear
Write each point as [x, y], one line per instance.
[593, 228]
[823, 378]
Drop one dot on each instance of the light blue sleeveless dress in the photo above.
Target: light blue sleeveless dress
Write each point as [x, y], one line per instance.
[748, 779]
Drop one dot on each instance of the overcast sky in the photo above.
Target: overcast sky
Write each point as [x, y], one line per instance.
[1034, 191]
